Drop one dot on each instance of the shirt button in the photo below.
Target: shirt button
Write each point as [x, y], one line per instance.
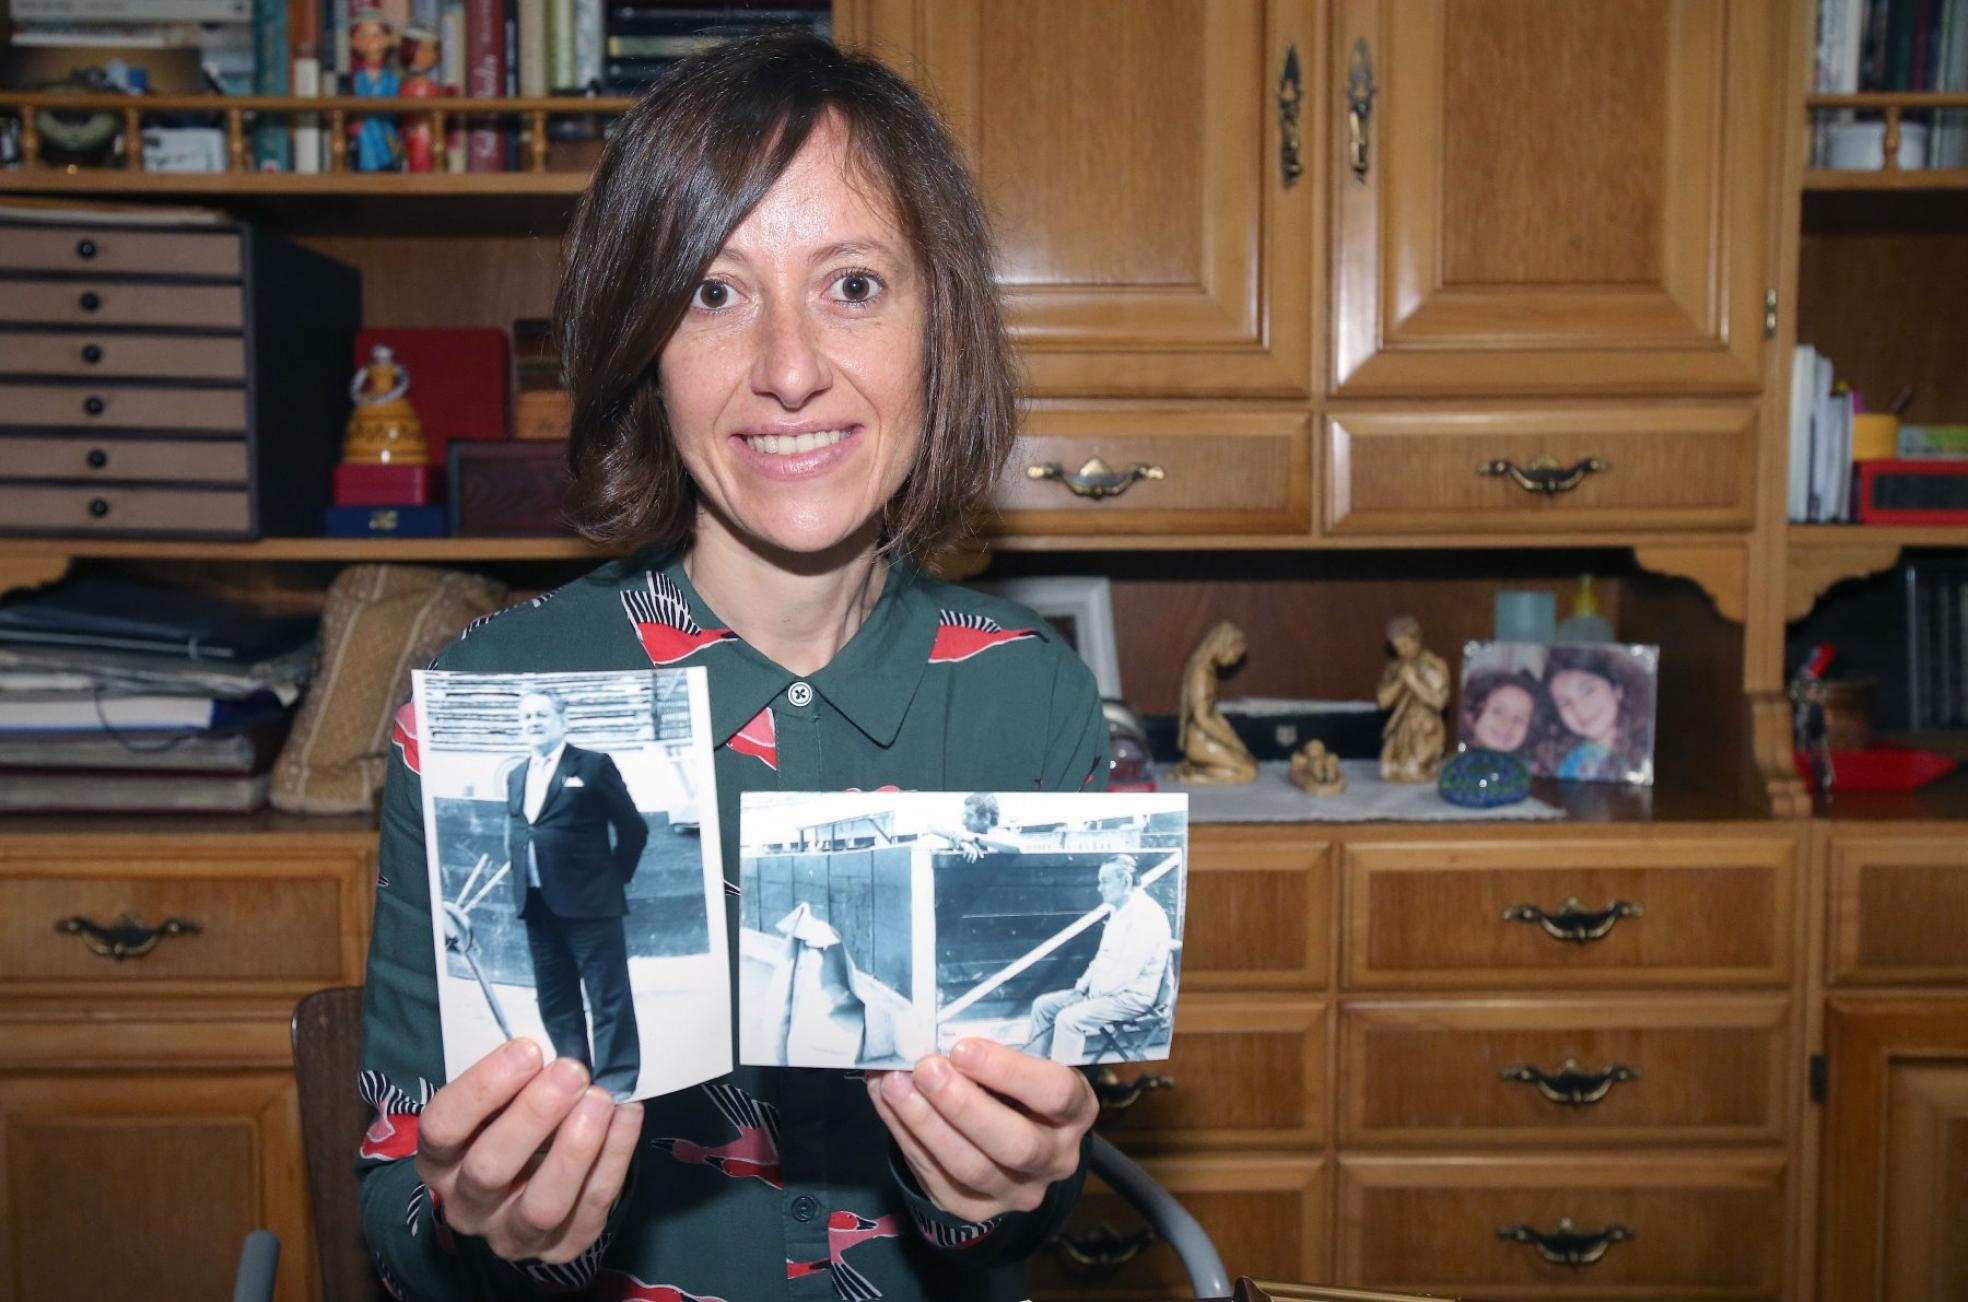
[800, 695]
[805, 1208]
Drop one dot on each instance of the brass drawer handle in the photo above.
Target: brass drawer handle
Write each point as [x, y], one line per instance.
[1103, 1249]
[1544, 474]
[1095, 479]
[1291, 93]
[1117, 1095]
[129, 938]
[1568, 1245]
[1573, 921]
[1359, 108]
[1572, 1084]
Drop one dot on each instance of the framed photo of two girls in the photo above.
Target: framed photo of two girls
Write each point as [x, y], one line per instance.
[1574, 710]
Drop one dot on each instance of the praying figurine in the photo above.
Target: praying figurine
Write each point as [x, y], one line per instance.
[384, 428]
[371, 43]
[1315, 770]
[1414, 689]
[1212, 752]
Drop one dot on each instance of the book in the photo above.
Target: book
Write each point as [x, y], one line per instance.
[273, 148]
[112, 614]
[98, 712]
[132, 11]
[485, 78]
[243, 750]
[532, 48]
[79, 791]
[560, 47]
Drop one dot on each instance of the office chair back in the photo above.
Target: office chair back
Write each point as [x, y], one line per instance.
[327, 1058]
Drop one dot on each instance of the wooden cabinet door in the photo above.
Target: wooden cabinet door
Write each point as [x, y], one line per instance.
[1549, 198]
[1130, 156]
[1899, 908]
[1895, 1173]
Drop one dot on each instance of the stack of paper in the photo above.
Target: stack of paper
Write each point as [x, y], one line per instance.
[1820, 480]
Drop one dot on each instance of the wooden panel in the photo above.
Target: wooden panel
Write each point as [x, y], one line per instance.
[1701, 1227]
[108, 250]
[122, 407]
[1522, 228]
[135, 1185]
[1129, 156]
[1245, 1072]
[1716, 911]
[98, 510]
[1432, 1071]
[1899, 909]
[162, 356]
[1221, 472]
[1266, 1215]
[164, 460]
[1261, 913]
[1894, 1179]
[1683, 467]
[68, 302]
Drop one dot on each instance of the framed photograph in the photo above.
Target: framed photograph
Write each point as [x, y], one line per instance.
[1582, 711]
[1080, 610]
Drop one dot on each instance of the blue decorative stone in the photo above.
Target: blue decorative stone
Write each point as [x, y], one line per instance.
[1484, 779]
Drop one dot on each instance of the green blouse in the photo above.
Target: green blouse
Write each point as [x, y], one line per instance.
[770, 1182]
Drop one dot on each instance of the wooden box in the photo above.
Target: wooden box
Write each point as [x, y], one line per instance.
[507, 489]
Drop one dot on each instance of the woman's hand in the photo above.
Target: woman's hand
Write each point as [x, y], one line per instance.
[988, 1128]
[526, 1157]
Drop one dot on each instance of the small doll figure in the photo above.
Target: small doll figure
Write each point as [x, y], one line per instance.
[1315, 770]
[377, 148]
[1413, 690]
[419, 53]
[384, 428]
[1211, 749]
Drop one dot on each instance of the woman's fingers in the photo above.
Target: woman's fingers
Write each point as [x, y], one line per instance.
[953, 1147]
[944, 1189]
[1021, 1142]
[1048, 1090]
[503, 1148]
[551, 1191]
[461, 1109]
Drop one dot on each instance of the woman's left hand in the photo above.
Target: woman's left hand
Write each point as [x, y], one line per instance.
[988, 1128]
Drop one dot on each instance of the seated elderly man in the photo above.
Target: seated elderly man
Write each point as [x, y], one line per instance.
[1124, 978]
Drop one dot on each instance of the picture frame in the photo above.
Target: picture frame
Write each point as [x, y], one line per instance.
[1080, 608]
[1576, 711]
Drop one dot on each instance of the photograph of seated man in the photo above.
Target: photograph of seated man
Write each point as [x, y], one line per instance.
[569, 887]
[1124, 979]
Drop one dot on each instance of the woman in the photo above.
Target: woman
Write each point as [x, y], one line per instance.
[1605, 735]
[789, 377]
[1507, 712]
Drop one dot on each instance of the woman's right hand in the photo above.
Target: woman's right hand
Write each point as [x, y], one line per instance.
[528, 1157]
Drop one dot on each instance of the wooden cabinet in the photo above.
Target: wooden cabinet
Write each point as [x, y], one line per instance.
[1899, 909]
[1546, 198]
[1132, 158]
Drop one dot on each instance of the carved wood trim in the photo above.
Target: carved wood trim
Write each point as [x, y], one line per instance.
[1722, 572]
[1812, 570]
[1775, 750]
[32, 571]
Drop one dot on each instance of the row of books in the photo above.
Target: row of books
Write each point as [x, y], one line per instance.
[1892, 45]
[1819, 490]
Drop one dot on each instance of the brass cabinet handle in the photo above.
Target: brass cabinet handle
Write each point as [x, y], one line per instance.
[1572, 1084]
[1102, 1249]
[1544, 474]
[1573, 921]
[1291, 93]
[1095, 479]
[1117, 1095]
[1359, 107]
[129, 938]
[1568, 1245]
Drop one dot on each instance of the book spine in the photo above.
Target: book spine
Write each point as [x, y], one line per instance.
[532, 47]
[306, 132]
[338, 39]
[509, 138]
[485, 77]
[451, 21]
[132, 11]
[588, 40]
[272, 68]
[560, 46]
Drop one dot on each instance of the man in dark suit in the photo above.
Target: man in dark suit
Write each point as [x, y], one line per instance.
[569, 886]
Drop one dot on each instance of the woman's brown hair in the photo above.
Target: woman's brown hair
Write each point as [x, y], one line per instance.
[686, 165]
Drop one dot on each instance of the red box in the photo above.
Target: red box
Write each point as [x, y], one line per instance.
[460, 380]
[1913, 490]
[367, 485]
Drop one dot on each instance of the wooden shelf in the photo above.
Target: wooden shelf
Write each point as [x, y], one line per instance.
[82, 181]
[307, 549]
[1832, 179]
[1840, 536]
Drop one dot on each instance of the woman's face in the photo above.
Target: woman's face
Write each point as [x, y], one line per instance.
[794, 383]
[1588, 703]
[1506, 718]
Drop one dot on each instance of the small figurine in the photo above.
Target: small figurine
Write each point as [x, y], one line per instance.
[1811, 736]
[377, 148]
[1315, 770]
[419, 53]
[384, 428]
[1414, 689]
[1211, 749]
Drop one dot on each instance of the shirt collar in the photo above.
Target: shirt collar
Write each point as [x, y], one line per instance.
[552, 758]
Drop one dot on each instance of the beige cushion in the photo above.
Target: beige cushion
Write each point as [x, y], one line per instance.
[381, 622]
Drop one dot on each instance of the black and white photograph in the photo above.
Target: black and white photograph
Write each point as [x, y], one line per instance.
[571, 821]
[882, 926]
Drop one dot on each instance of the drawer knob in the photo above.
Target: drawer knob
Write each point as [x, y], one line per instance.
[1544, 474]
[98, 507]
[85, 249]
[90, 300]
[129, 938]
[1095, 479]
[97, 458]
[1568, 1245]
[93, 405]
[1102, 1249]
[1573, 921]
[1117, 1095]
[92, 353]
[1572, 1084]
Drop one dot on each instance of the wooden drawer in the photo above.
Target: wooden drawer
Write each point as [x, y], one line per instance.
[286, 921]
[1439, 1072]
[1266, 1215]
[1699, 911]
[1899, 909]
[1682, 467]
[117, 406]
[93, 509]
[1261, 911]
[1221, 472]
[177, 357]
[164, 460]
[107, 250]
[1701, 1227]
[107, 303]
[1245, 1072]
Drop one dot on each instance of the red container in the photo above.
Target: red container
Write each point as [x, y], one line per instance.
[366, 485]
[1913, 490]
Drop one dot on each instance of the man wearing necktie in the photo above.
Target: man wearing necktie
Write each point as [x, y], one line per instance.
[570, 888]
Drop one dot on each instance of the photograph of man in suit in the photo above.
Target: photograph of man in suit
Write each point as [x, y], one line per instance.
[570, 888]
[1123, 981]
